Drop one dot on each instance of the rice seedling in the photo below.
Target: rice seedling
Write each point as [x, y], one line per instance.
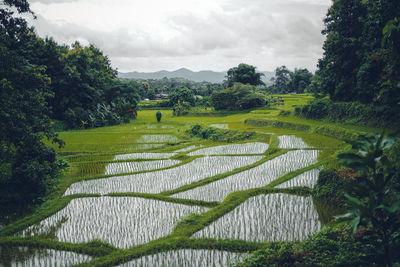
[256, 177]
[309, 179]
[235, 149]
[188, 258]
[291, 141]
[158, 138]
[125, 167]
[272, 217]
[120, 221]
[220, 125]
[32, 257]
[158, 181]
[144, 156]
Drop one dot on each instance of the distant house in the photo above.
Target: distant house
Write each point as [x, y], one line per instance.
[161, 96]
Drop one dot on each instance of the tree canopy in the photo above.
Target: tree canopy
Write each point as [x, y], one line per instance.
[355, 66]
[239, 96]
[245, 74]
[182, 94]
[27, 166]
[286, 81]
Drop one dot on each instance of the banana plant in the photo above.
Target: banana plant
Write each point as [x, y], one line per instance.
[374, 201]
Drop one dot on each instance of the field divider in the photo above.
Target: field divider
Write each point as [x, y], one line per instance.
[94, 248]
[188, 202]
[174, 243]
[195, 222]
[223, 175]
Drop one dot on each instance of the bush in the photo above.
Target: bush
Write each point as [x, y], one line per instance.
[237, 97]
[216, 134]
[181, 108]
[350, 112]
[278, 124]
[330, 247]
[158, 116]
[331, 187]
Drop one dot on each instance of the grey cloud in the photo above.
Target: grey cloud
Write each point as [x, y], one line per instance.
[52, 1]
[234, 34]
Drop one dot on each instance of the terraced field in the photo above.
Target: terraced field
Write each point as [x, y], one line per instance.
[147, 194]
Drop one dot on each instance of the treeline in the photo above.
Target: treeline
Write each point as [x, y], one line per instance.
[152, 87]
[361, 61]
[239, 91]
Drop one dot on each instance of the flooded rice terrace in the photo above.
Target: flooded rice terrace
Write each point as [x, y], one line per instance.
[127, 221]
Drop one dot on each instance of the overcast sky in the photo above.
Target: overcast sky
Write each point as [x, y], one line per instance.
[151, 35]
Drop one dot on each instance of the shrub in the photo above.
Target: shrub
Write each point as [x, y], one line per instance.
[350, 112]
[216, 134]
[158, 116]
[237, 97]
[331, 187]
[330, 247]
[181, 108]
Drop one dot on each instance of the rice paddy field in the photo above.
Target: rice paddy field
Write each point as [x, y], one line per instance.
[149, 194]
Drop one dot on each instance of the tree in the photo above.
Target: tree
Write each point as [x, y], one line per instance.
[27, 166]
[300, 79]
[239, 96]
[281, 80]
[355, 66]
[245, 74]
[181, 94]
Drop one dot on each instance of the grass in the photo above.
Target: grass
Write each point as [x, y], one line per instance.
[89, 151]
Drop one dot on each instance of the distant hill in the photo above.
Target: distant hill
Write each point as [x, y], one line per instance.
[196, 76]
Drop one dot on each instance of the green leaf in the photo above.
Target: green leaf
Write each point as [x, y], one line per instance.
[349, 157]
[355, 201]
[354, 223]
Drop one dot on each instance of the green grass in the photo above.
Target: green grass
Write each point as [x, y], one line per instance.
[88, 151]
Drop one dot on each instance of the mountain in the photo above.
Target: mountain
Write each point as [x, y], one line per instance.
[196, 76]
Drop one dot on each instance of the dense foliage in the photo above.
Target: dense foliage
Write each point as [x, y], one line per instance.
[374, 198]
[215, 134]
[42, 81]
[330, 247]
[286, 81]
[355, 65]
[349, 112]
[181, 94]
[237, 97]
[167, 85]
[245, 74]
[27, 166]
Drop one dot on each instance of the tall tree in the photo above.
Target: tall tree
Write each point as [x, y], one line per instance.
[354, 66]
[341, 60]
[27, 166]
[300, 79]
[281, 80]
[245, 74]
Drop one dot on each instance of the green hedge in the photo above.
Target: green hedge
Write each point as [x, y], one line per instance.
[216, 134]
[278, 124]
[350, 112]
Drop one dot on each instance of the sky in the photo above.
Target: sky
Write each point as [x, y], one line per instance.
[153, 35]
